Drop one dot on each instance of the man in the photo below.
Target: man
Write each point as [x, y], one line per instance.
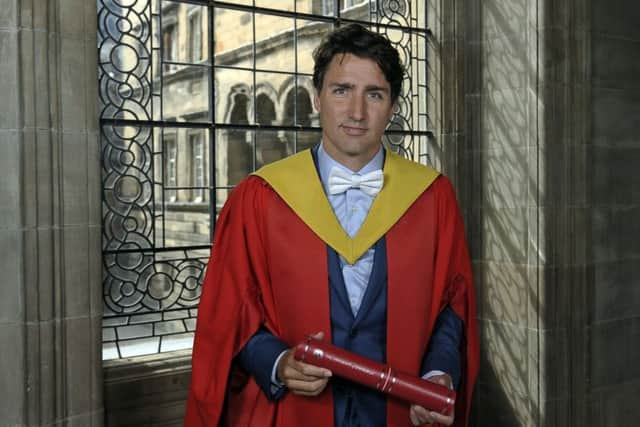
[326, 243]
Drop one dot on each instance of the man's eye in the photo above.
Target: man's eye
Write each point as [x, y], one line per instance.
[376, 95]
[340, 91]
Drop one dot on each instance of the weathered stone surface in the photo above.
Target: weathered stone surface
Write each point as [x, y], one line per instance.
[506, 171]
[45, 167]
[78, 354]
[72, 18]
[621, 408]
[74, 178]
[503, 392]
[11, 291]
[94, 179]
[502, 18]
[616, 62]
[616, 292]
[616, 17]
[616, 180]
[10, 105]
[12, 366]
[615, 231]
[505, 118]
[506, 63]
[77, 284]
[8, 14]
[505, 236]
[72, 84]
[10, 197]
[505, 292]
[614, 113]
[610, 353]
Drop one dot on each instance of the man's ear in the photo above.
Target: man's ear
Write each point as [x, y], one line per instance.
[394, 110]
[316, 100]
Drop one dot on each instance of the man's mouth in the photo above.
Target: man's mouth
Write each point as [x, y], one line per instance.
[354, 130]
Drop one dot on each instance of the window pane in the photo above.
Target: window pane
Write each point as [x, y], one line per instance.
[310, 7]
[298, 108]
[308, 35]
[185, 94]
[235, 96]
[272, 146]
[362, 10]
[234, 156]
[306, 139]
[274, 43]
[197, 28]
[243, 2]
[233, 35]
[277, 4]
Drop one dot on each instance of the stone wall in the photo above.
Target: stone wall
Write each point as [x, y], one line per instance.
[50, 219]
[549, 191]
[614, 293]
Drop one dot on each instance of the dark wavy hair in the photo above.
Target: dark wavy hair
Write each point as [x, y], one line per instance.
[359, 41]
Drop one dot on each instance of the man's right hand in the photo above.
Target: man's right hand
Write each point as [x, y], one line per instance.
[301, 378]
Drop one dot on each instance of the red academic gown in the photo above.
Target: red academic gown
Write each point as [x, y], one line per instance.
[269, 268]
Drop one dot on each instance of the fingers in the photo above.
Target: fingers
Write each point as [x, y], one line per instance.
[446, 420]
[318, 335]
[291, 369]
[307, 388]
[421, 416]
[302, 378]
[444, 380]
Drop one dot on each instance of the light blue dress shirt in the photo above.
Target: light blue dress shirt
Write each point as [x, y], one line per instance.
[351, 209]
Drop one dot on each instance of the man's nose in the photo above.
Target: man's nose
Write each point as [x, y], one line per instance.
[358, 107]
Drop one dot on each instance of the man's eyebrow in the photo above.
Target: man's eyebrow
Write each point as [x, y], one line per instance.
[369, 88]
[376, 88]
[339, 84]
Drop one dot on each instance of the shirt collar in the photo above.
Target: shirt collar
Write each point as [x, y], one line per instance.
[326, 163]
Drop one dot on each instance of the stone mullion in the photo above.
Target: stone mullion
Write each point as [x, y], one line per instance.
[58, 364]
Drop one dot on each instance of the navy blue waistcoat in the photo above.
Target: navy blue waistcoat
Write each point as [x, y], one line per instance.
[365, 334]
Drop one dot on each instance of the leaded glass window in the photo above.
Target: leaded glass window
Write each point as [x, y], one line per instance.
[195, 95]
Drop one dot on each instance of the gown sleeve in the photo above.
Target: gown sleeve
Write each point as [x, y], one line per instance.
[453, 263]
[230, 310]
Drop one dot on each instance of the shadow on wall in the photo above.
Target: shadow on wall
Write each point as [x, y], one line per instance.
[502, 194]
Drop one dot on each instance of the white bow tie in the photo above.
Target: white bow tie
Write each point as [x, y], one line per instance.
[340, 181]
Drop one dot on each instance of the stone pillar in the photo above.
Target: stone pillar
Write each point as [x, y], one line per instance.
[503, 208]
[50, 219]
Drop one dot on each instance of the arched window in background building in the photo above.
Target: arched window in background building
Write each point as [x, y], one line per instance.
[240, 147]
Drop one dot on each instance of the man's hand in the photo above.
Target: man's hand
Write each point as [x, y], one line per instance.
[301, 378]
[421, 416]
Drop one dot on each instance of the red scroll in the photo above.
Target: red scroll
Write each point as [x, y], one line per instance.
[367, 372]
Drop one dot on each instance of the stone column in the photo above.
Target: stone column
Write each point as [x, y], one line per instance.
[50, 219]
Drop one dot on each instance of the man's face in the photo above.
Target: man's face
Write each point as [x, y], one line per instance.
[355, 107]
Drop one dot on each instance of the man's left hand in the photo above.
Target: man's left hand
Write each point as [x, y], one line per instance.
[422, 416]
